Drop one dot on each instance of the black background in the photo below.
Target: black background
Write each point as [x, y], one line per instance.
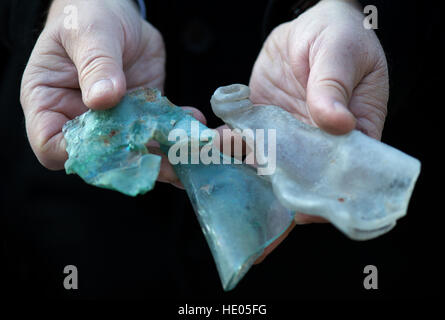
[151, 246]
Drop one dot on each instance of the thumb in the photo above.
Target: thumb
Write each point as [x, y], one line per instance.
[97, 55]
[331, 81]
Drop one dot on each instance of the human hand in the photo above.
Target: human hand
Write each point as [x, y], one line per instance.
[328, 71]
[70, 70]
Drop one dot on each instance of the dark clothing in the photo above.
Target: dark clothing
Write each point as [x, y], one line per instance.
[152, 245]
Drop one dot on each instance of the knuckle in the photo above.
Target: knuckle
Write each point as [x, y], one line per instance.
[337, 85]
[155, 33]
[28, 89]
[93, 62]
[46, 145]
[155, 39]
[23, 94]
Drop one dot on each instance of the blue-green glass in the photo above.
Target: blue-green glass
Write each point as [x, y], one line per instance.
[237, 209]
[107, 148]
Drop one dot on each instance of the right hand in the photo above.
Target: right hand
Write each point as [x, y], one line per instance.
[72, 70]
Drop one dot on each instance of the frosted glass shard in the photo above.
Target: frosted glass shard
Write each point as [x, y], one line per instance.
[238, 213]
[359, 184]
[107, 148]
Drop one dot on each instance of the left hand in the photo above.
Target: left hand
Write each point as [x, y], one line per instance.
[328, 71]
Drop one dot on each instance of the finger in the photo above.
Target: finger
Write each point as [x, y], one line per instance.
[46, 111]
[167, 173]
[232, 144]
[332, 78]
[275, 244]
[197, 114]
[47, 143]
[301, 218]
[96, 50]
[369, 102]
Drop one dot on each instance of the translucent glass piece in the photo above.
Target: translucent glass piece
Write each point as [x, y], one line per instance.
[359, 184]
[238, 213]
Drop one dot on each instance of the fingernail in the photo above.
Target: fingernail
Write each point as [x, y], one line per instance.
[100, 88]
[300, 220]
[178, 184]
[338, 106]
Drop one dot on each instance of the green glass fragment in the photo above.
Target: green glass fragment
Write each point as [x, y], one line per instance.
[107, 149]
